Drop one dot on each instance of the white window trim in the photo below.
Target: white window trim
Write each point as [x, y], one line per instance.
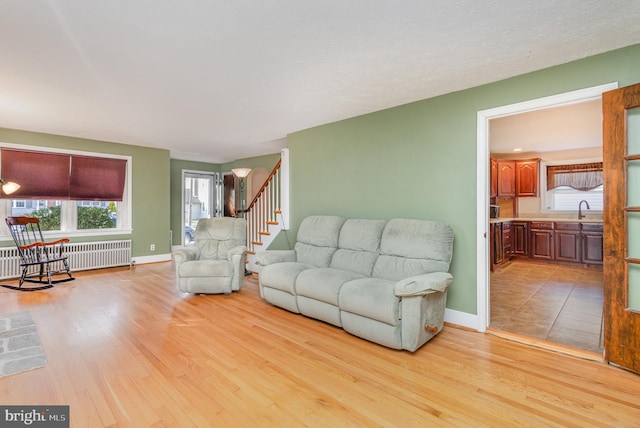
[543, 184]
[69, 220]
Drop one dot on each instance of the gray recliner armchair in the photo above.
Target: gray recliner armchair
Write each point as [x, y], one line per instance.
[216, 262]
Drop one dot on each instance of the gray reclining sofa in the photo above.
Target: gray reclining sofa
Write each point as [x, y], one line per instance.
[384, 281]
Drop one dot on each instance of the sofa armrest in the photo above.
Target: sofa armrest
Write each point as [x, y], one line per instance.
[270, 257]
[423, 284]
[185, 254]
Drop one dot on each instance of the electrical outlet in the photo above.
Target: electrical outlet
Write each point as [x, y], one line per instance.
[152, 247]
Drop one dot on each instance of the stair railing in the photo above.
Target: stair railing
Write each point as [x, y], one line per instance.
[263, 209]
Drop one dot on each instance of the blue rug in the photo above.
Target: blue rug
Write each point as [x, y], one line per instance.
[20, 348]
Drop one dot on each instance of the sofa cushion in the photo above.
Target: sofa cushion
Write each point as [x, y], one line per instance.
[358, 245]
[314, 256]
[282, 276]
[323, 283]
[371, 298]
[206, 268]
[413, 247]
[317, 239]
[361, 235]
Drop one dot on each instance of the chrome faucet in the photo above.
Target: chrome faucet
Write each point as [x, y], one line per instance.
[580, 215]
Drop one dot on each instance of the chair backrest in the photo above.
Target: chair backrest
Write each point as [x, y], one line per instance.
[216, 236]
[25, 232]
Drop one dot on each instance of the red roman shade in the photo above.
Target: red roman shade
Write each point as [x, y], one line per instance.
[97, 179]
[44, 175]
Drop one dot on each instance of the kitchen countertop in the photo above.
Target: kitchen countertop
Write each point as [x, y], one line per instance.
[547, 219]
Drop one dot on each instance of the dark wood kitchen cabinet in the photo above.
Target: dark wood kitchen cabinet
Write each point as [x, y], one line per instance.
[500, 243]
[506, 178]
[506, 240]
[527, 177]
[563, 242]
[514, 178]
[520, 238]
[567, 239]
[592, 243]
[493, 192]
[497, 253]
[541, 240]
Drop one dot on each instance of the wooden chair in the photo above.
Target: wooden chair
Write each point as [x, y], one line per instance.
[40, 261]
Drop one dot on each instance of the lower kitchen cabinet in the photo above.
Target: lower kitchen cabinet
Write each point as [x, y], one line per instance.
[506, 240]
[520, 238]
[592, 243]
[541, 240]
[566, 241]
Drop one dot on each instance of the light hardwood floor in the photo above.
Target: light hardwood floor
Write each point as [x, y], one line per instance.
[556, 303]
[125, 349]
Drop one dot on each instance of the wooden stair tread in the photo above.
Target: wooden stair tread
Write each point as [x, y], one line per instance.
[273, 222]
[264, 233]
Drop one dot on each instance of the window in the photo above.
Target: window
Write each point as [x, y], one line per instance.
[48, 211]
[567, 199]
[569, 183]
[96, 215]
[91, 192]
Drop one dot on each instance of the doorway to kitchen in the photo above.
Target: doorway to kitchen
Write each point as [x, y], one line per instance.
[529, 298]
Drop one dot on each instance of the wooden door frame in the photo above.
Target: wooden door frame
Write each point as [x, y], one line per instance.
[483, 170]
[621, 324]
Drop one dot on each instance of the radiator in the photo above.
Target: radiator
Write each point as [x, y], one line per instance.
[82, 256]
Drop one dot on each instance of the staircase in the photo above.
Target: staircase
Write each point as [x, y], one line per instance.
[268, 213]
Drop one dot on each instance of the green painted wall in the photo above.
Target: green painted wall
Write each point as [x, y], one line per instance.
[419, 160]
[150, 175]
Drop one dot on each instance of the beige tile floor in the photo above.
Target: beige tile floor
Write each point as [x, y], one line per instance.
[555, 303]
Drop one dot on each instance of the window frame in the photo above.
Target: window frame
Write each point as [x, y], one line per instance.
[68, 217]
[544, 193]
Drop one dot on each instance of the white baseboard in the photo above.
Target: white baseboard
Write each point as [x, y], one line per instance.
[461, 318]
[151, 259]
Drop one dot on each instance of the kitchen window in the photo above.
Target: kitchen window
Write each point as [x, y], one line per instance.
[566, 184]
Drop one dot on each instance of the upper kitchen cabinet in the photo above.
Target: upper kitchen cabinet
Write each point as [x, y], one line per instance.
[514, 178]
[494, 178]
[506, 178]
[527, 177]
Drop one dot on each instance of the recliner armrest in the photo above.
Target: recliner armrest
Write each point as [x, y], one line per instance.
[423, 284]
[270, 257]
[181, 255]
[236, 251]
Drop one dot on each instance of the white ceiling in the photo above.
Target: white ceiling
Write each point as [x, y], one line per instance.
[575, 126]
[222, 80]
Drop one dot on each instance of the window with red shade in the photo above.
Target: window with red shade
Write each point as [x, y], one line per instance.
[71, 192]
